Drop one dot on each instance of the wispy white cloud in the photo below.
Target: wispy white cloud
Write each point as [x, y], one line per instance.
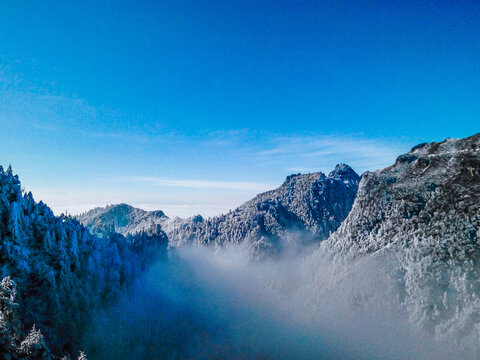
[302, 170]
[201, 184]
[173, 203]
[69, 116]
[322, 152]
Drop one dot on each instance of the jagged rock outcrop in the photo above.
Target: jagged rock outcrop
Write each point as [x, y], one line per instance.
[424, 209]
[429, 195]
[304, 208]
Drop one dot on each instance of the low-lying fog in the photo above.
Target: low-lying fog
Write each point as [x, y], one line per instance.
[206, 304]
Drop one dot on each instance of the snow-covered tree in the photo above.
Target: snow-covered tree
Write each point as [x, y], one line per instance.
[34, 347]
[9, 323]
[61, 271]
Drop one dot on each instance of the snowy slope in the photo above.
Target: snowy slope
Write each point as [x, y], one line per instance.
[425, 212]
[122, 218]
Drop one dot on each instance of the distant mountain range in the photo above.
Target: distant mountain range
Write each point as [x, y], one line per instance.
[304, 209]
[123, 219]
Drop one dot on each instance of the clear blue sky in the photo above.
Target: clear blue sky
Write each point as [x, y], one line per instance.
[194, 106]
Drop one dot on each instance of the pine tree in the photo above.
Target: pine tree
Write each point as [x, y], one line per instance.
[34, 347]
[9, 323]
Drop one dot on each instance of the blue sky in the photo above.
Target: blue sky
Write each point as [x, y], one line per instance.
[195, 106]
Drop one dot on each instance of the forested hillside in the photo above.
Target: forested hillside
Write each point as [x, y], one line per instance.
[55, 273]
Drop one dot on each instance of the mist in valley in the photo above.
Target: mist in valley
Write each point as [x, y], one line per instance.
[203, 303]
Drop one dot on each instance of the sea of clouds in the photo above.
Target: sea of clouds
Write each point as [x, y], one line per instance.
[204, 303]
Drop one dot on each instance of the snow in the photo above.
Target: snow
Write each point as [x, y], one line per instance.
[305, 208]
[425, 210]
[57, 272]
[419, 219]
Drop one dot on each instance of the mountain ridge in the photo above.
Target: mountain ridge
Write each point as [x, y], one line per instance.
[422, 213]
[121, 218]
[306, 207]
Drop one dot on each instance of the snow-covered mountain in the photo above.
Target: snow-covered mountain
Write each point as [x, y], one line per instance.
[425, 211]
[414, 226]
[304, 208]
[432, 192]
[123, 219]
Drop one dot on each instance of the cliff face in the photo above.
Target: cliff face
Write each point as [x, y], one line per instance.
[430, 196]
[425, 210]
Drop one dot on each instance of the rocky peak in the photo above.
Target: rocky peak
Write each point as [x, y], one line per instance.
[344, 172]
[306, 206]
[444, 174]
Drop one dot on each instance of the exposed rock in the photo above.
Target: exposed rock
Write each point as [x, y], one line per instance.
[305, 208]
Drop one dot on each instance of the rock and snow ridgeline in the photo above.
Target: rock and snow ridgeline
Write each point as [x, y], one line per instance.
[424, 211]
[432, 192]
[305, 208]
